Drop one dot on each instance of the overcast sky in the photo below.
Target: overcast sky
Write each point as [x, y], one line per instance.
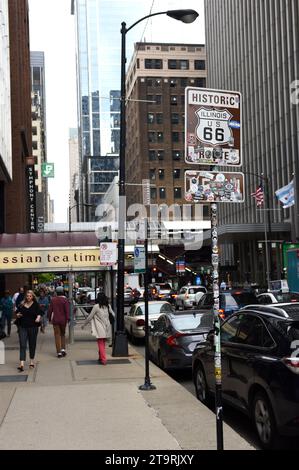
[52, 31]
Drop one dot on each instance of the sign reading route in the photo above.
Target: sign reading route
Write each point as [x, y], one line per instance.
[213, 127]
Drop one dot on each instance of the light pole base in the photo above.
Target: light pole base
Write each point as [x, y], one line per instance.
[147, 386]
[120, 344]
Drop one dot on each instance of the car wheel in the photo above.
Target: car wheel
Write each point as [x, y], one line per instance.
[264, 420]
[201, 387]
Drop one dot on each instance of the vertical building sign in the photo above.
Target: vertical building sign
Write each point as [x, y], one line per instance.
[31, 197]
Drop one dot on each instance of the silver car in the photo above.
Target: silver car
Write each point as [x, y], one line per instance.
[135, 319]
[189, 296]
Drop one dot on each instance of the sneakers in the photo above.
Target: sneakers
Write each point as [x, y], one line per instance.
[63, 352]
[59, 355]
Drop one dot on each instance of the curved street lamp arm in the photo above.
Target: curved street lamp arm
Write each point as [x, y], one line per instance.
[141, 19]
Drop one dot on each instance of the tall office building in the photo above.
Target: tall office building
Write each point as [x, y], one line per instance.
[39, 132]
[98, 66]
[74, 174]
[253, 47]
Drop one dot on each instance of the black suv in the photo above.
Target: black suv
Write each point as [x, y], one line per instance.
[260, 368]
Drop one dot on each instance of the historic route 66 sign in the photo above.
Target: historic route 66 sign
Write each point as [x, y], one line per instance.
[213, 127]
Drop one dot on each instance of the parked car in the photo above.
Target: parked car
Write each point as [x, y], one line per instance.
[173, 338]
[189, 296]
[229, 302]
[277, 297]
[260, 368]
[135, 319]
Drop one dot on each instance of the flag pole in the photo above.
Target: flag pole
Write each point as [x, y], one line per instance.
[268, 232]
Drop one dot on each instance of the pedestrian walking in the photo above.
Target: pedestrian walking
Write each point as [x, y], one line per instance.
[15, 296]
[43, 302]
[6, 305]
[59, 315]
[100, 324]
[28, 320]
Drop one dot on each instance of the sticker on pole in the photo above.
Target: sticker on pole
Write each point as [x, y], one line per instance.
[108, 254]
[213, 127]
[139, 259]
[214, 186]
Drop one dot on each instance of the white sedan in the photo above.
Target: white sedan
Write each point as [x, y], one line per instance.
[135, 319]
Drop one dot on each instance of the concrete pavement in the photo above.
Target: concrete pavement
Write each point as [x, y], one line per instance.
[75, 403]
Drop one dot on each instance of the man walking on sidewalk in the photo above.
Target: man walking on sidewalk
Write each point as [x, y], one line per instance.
[59, 315]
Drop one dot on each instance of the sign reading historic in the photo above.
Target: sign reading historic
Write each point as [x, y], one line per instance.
[214, 186]
[213, 127]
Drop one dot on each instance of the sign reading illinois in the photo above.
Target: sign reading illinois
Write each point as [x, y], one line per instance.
[213, 127]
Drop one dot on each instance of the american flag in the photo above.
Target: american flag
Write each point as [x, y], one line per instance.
[259, 196]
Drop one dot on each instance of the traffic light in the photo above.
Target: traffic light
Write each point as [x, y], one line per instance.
[154, 269]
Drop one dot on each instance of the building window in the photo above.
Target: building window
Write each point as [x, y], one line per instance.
[150, 98]
[173, 82]
[152, 174]
[162, 193]
[184, 82]
[175, 118]
[34, 145]
[151, 137]
[177, 193]
[184, 64]
[176, 154]
[152, 155]
[158, 99]
[153, 193]
[153, 63]
[175, 136]
[34, 130]
[150, 118]
[160, 154]
[176, 174]
[149, 82]
[172, 64]
[173, 100]
[160, 137]
[199, 64]
[183, 99]
[157, 82]
[161, 174]
[159, 118]
[200, 82]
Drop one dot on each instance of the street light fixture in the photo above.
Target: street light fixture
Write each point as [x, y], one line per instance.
[72, 207]
[120, 347]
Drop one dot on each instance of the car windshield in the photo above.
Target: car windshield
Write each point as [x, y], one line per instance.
[155, 308]
[244, 298]
[164, 286]
[186, 323]
[194, 290]
[286, 297]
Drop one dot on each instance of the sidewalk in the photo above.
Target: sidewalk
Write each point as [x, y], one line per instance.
[75, 403]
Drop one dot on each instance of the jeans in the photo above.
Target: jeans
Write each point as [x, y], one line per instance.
[59, 334]
[30, 335]
[6, 319]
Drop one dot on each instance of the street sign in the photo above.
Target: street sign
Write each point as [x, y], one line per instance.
[48, 170]
[214, 186]
[108, 254]
[180, 266]
[139, 259]
[213, 127]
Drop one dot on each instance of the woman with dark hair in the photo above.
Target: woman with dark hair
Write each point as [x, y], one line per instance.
[100, 324]
[28, 320]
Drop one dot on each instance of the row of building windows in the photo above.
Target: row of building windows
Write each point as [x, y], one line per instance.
[177, 193]
[176, 82]
[175, 64]
[157, 118]
[154, 155]
[161, 173]
[158, 137]
[157, 99]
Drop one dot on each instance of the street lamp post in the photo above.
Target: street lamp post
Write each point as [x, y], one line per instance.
[72, 207]
[121, 343]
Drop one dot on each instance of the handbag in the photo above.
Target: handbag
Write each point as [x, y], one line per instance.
[17, 322]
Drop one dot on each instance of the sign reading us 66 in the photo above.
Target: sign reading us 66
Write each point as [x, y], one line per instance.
[213, 127]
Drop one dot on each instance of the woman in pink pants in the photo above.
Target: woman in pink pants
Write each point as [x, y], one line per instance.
[100, 324]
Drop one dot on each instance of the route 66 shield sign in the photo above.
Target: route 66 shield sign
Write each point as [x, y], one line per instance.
[214, 126]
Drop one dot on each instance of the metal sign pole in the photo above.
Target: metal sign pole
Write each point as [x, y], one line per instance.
[217, 339]
[71, 304]
[147, 380]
